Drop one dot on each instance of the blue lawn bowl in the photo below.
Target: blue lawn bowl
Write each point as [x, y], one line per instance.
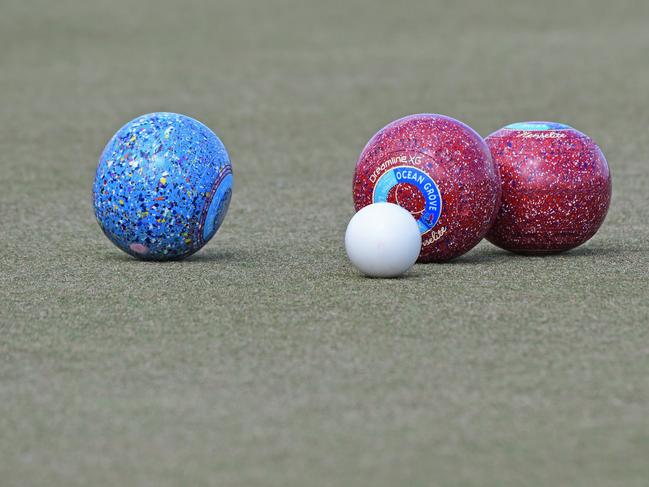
[163, 186]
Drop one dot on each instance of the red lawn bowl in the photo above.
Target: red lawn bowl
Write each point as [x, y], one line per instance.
[556, 187]
[441, 171]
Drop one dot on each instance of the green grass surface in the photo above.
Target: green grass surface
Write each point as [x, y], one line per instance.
[265, 360]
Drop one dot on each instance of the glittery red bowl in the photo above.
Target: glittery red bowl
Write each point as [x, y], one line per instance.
[441, 171]
[556, 187]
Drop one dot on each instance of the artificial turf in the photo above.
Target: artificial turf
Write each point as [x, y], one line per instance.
[265, 359]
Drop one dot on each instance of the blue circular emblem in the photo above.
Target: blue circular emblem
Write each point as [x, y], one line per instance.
[537, 126]
[215, 213]
[423, 182]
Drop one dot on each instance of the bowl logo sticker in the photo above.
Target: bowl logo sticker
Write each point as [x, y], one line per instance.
[539, 130]
[414, 190]
[221, 195]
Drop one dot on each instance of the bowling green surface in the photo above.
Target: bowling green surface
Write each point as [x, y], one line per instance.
[265, 359]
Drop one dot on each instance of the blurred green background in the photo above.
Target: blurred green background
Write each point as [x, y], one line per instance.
[265, 359]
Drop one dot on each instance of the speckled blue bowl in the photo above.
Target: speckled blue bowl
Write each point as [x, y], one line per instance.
[163, 186]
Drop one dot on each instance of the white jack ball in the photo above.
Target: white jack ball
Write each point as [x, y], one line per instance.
[383, 240]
